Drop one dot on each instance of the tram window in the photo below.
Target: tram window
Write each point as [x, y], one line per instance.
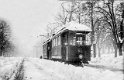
[59, 43]
[55, 41]
[72, 39]
[81, 39]
[58, 40]
[65, 40]
[52, 43]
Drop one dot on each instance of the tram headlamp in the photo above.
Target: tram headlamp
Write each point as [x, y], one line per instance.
[80, 56]
[79, 50]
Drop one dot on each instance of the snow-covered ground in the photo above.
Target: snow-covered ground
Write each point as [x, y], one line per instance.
[108, 60]
[8, 66]
[41, 69]
[36, 69]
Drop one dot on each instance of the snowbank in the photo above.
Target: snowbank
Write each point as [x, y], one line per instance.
[109, 61]
[8, 66]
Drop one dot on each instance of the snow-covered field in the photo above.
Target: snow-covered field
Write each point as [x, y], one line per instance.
[41, 69]
[8, 67]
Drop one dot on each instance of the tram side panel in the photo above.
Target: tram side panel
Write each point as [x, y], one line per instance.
[88, 53]
[56, 52]
[45, 51]
[56, 48]
[72, 53]
[65, 48]
[49, 50]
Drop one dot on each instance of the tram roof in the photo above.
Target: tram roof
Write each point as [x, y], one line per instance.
[48, 40]
[74, 26]
[77, 27]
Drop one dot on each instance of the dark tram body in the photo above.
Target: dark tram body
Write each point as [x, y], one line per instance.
[69, 44]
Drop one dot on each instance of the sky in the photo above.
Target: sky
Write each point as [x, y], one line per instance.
[28, 19]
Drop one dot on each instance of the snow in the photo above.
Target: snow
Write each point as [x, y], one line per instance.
[108, 60]
[50, 70]
[41, 69]
[74, 26]
[77, 27]
[8, 66]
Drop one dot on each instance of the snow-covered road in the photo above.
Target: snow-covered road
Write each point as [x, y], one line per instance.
[40, 69]
[9, 68]
[37, 69]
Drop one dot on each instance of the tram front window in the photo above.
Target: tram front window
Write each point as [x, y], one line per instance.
[72, 39]
[80, 39]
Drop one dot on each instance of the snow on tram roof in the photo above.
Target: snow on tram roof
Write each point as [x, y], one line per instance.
[77, 27]
[74, 26]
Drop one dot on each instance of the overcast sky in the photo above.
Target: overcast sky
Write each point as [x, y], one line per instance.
[28, 18]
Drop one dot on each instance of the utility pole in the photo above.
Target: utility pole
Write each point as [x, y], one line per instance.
[92, 24]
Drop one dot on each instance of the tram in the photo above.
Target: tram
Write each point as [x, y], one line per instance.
[70, 44]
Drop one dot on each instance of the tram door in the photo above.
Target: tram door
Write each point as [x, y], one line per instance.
[49, 50]
[65, 46]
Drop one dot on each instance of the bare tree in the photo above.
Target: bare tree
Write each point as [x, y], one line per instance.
[82, 12]
[109, 16]
[68, 11]
[104, 16]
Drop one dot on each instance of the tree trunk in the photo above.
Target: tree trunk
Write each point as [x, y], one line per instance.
[99, 50]
[115, 48]
[79, 18]
[99, 54]
[70, 17]
[94, 50]
[0, 54]
[120, 48]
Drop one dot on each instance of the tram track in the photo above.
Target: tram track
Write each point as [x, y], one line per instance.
[20, 72]
[15, 74]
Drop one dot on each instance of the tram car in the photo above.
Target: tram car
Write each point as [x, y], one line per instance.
[70, 44]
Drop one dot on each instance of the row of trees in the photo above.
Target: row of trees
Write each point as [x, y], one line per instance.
[5, 34]
[105, 17]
